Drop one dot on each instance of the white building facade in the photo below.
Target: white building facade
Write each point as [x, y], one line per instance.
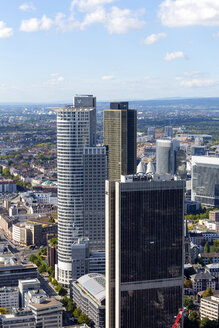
[76, 130]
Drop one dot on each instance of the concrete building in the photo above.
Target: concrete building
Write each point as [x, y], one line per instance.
[168, 131]
[192, 207]
[120, 133]
[76, 153]
[95, 174]
[8, 186]
[214, 216]
[10, 274]
[210, 258]
[151, 132]
[9, 298]
[213, 269]
[21, 234]
[201, 281]
[209, 308]
[19, 318]
[26, 285]
[169, 158]
[46, 311]
[89, 296]
[84, 261]
[198, 150]
[144, 251]
[52, 251]
[205, 180]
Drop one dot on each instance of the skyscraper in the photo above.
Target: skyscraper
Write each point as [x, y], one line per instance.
[120, 137]
[168, 131]
[144, 251]
[76, 139]
[205, 180]
[170, 158]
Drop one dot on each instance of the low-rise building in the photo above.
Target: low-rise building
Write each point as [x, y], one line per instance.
[89, 296]
[209, 308]
[9, 298]
[10, 274]
[20, 318]
[214, 216]
[201, 281]
[7, 186]
[47, 311]
[213, 269]
[26, 285]
[209, 258]
[84, 261]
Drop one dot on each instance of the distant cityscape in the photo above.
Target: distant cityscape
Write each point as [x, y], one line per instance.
[109, 214]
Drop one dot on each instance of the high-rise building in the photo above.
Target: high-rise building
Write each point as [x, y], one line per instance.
[151, 131]
[168, 131]
[144, 251]
[95, 174]
[170, 158]
[205, 180]
[120, 136]
[81, 169]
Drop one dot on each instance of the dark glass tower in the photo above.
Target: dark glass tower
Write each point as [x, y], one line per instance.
[120, 137]
[144, 252]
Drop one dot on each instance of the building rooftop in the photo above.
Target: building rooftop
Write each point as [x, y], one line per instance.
[94, 284]
[202, 276]
[47, 303]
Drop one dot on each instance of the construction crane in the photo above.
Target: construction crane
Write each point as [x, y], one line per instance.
[178, 321]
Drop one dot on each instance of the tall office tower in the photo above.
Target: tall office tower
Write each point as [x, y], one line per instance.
[95, 174]
[151, 131]
[120, 137]
[168, 131]
[144, 251]
[76, 135]
[169, 157]
[205, 180]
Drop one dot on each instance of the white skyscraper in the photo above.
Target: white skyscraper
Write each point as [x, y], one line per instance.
[79, 215]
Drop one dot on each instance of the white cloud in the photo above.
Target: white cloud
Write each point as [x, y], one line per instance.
[107, 77]
[154, 38]
[28, 6]
[5, 32]
[118, 21]
[89, 5]
[189, 12]
[35, 24]
[55, 80]
[216, 35]
[121, 21]
[174, 55]
[193, 73]
[114, 19]
[196, 83]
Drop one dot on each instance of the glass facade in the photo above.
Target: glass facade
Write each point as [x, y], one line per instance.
[151, 234]
[205, 184]
[154, 308]
[120, 137]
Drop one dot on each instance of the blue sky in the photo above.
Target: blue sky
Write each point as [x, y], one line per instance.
[122, 49]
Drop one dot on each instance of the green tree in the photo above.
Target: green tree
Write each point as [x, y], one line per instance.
[84, 319]
[207, 292]
[3, 310]
[54, 282]
[206, 323]
[32, 258]
[188, 303]
[207, 247]
[194, 318]
[187, 283]
[77, 313]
